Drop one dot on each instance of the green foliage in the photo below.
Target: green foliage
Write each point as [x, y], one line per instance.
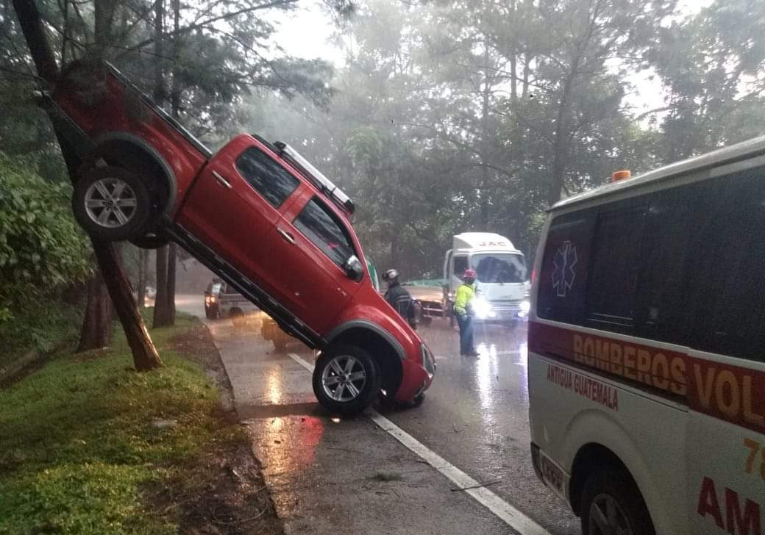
[77, 444]
[41, 247]
[41, 324]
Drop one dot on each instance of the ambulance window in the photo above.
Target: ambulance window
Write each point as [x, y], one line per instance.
[674, 226]
[460, 265]
[729, 299]
[563, 276]
[614, 267]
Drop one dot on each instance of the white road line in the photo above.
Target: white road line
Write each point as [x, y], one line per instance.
[503, 510]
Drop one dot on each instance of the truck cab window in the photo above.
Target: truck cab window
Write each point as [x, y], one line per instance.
[320, 225]
[460, 265]
[500, 268]
[268, 178]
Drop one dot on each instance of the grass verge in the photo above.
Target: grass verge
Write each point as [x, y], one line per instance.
[89, 446]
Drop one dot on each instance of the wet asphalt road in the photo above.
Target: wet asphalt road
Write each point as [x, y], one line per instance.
[476, 415]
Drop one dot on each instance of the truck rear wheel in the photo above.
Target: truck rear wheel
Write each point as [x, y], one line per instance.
[111, 204]
[346, 379]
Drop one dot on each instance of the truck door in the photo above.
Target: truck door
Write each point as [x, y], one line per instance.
[459, 265]
[234, 205]
[309, 247]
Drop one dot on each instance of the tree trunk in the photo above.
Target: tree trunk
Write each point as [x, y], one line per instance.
[143, 260]
[161, 313]
[172, 258]
[175, 108]
[145, 356]
[485, 172]
[96, 329]
[560, 148]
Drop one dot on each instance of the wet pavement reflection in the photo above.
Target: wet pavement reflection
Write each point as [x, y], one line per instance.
[475, 416]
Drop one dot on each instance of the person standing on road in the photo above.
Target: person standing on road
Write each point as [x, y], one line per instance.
[399, 298]
[463, 304]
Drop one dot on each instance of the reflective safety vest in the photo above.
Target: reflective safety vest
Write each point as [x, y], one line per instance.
[465, 294]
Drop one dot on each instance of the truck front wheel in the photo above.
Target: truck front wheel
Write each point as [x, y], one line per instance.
[111, 203]
[346, 379]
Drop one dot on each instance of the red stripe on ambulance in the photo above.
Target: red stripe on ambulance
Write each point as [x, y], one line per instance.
[731, 393]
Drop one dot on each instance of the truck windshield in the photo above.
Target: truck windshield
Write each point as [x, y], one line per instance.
[499, 268]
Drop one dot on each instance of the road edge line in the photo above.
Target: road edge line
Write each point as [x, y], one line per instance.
[511, 516]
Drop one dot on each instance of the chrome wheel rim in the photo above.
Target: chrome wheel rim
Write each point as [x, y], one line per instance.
[110, 203]
[607, 517]
[343, 378]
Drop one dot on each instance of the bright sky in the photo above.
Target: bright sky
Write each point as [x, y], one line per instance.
[306, 33]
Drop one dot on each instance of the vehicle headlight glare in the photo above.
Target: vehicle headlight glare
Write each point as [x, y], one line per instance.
[525, 307]
[482, 308]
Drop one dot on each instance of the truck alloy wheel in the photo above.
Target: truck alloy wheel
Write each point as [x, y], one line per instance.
[346, 379]
[111, 203]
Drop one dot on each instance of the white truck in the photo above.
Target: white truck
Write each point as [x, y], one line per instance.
[503, 285]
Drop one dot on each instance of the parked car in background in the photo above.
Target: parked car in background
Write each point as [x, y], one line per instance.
[257, 214]
[223, 301]
[428, 297]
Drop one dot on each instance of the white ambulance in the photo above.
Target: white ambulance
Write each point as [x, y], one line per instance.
[502, 276]
[647, 350]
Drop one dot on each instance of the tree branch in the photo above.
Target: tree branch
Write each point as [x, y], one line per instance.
[199, 25]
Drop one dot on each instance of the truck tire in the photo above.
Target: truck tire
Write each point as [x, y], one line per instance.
[612, 503]
[111, 204]
[346, 379]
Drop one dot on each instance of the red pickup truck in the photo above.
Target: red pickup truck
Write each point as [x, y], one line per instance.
[257, 214]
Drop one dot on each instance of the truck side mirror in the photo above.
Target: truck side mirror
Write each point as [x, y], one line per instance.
[353, 268]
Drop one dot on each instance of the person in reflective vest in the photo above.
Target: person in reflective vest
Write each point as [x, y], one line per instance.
[463, 303]
[399, 298]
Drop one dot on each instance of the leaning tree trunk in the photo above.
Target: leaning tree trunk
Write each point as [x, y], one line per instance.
[145, 356]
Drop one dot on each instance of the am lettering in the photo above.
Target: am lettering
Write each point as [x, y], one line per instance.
[738, 520]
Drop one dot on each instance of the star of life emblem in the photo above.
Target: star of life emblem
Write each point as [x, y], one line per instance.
[564, 262]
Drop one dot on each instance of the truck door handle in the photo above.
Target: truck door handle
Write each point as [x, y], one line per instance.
[222, 180]
[286, 235]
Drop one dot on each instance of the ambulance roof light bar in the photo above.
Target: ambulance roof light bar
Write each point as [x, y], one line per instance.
[624, 174]
[322, 182]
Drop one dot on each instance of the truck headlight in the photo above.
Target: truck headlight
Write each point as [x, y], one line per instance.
[482, 308]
